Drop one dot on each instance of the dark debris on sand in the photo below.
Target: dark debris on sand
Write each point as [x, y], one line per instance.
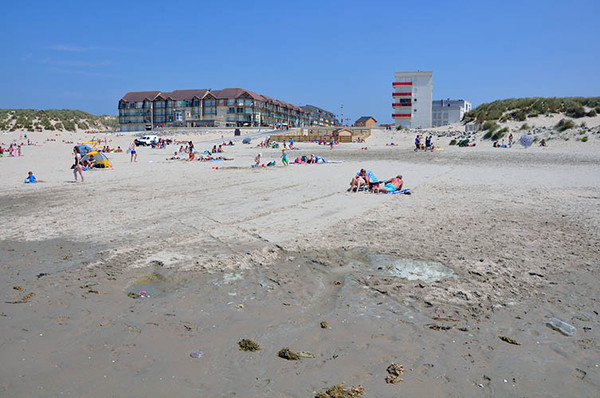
[340, 391]
[248, 345]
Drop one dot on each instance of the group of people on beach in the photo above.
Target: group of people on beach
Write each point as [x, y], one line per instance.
[365, 180]
[107, 149]
[423, 146]
[202, 157]
[13, 150]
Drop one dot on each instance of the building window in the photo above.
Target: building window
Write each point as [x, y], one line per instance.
[231, 110]
[415, 100]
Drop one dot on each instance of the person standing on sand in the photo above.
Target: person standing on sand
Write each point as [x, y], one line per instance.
[77, 167]
[284, 158]
[133, 152]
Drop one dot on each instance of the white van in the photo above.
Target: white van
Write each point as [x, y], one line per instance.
[146, 140]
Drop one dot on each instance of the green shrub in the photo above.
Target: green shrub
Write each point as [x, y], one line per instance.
[453, 142]
[487, 135]
[584, 139]
[490, 126]
[564, 124]
[499, 134]
[525, 127]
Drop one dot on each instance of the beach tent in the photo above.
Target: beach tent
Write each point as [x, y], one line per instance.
[84, 149]
[246, 140]
[100, 158]
[93, 144]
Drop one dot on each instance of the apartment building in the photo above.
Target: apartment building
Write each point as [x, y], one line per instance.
[445, 112]
[230, 107]
[412, 99]
[320, 117]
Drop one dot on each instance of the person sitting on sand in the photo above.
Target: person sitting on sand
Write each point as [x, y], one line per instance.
[543, 142]
[257, 160]
[174, 157]
[91, 162]
[392, 185]
[220, 149]
[119, 150]
[214, 149]
[30, 178]
[359, 180]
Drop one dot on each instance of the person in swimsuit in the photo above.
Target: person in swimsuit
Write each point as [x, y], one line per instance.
[133, 153]
[77, 167]
[361, 178]
[391, 185]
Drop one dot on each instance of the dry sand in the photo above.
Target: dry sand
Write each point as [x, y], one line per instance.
[267, 254]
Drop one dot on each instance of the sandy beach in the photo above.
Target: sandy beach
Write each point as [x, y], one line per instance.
[492, 242]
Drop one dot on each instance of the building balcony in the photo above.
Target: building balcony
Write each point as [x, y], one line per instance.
[399, 105]
[401, 84]
[401, 94]
[397, 115]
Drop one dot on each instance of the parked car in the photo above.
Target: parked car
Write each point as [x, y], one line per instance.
[146, 140]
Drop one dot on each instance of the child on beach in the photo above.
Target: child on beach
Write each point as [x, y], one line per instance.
[257, 160]
[30, 178]
[284, 158]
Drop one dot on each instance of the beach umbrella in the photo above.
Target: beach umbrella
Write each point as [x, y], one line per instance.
[526, 140]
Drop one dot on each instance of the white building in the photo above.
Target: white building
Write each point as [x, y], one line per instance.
[412, 99]
[445, 112]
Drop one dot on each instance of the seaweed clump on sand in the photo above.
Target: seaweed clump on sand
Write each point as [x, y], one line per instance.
[340, 391]
[394, 371]
[509, 340]
[288, 354]
[248, 345]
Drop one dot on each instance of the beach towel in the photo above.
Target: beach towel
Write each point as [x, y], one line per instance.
[405, 191]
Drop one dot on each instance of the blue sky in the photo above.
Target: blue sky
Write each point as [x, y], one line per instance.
[87, 55]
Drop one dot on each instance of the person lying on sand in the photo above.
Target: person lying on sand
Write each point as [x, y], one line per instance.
[391, 185]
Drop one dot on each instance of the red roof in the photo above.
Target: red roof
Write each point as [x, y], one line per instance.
[178, 95]
[225, 93]
[138, 96]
